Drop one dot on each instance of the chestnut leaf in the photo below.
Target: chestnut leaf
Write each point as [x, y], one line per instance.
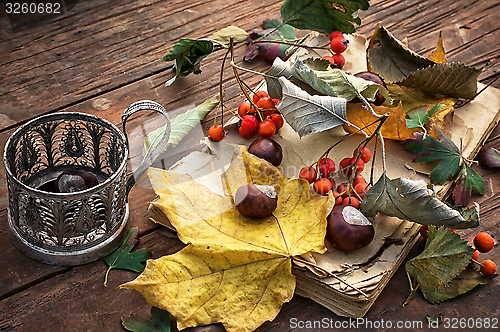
[122, 258]
[160, 322]
[445, 255]
[413, 201]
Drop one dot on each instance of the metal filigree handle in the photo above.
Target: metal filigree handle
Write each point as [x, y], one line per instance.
[151, 156]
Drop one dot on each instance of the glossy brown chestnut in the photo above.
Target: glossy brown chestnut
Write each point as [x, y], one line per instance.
[258, 201]
[71, 181]
[348, 229]
[369, 76]
[268, 149]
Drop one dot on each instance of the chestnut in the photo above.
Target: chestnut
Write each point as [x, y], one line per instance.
[258, 201]
[268, 149]
[348, 229]
[369, 76]
[71, 181]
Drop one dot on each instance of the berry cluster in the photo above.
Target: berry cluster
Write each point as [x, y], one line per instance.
[483, 242]
[264, 120]
[338, 44]
[321, 174]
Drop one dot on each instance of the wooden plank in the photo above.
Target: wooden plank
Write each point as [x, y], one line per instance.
[78, 300]
[106, 46]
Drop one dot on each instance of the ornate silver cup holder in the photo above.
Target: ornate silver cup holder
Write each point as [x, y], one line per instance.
[71, 228]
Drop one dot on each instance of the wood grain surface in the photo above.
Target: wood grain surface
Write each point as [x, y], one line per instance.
[101, 56]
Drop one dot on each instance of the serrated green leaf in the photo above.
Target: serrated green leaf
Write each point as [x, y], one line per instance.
[467, 180]
[188, 54]
[410, 200]
[467, 280]
[122, 258]
[160, 322]
[324, 16]
[430, 149]
[450, 79]
[444, 257]
[419, 116]
[391, 59]
[279, 69]
[286, 31]
[308, 114]
[225, 34]
[181, 125]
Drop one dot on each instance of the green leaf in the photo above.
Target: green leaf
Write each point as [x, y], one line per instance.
[188, 54]
[286, 31]
[308, 114]
[429, 149]
[419, 116]
[160, 322]
[225, 34]
[391, 59]
[410, 200]
[444, 257]
[324, 16]
[122, 258]
[464, 282]
[467, 180]
[181, 125]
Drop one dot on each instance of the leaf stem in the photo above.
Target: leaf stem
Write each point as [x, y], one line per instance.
[106, 276]
[328, 273]
[221, 95]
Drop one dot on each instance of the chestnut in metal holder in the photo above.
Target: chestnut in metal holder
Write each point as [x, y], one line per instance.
[80, 227]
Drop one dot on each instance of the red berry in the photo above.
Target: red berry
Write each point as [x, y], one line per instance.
[342, 189]
[276, 101]
[246, 134]
[338, 198]
[483, 242]
[258, 95]
[361, 189]
[423, 231]
[360, 167]
[366, 154]
[336, 34]
[278, 120]
[351, 201]
[344, 164]
[475, 255]
[243, 109]
[333, 182]
[326, 167]
[266, 128]
[216, 133]
[328, 57]
[339, 44]
[322, 186]
[338, 60]
[308, 173]
[489, 268]
[249, 123]
[265, 103]
[358, 179]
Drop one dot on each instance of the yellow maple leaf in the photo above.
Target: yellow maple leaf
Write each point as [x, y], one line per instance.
[438, 54]
[236, 269]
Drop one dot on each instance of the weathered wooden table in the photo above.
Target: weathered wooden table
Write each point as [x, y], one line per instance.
[100, 56]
